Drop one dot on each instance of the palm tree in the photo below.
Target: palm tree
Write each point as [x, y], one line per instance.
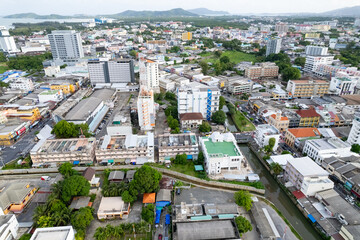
[56, 189]
[62, 217]
[100, 234]
[39, 211]
[109, 231]
[118, 232]
[276, 167]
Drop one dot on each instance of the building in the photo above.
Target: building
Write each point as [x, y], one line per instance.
[28, 113]
[186, 36]
[146, 109]
[149, 73]
[349, 232]
[171, 145]
[13, 130]
[307, 88]
[66, 45]
[308, 177]
[294, 135]
[319, 149]
[191, 120]
[24, 84]
[51, 95]
[273, 46]
[113, 207]
[221, 153]
[9, 227]
[312, 62]
[51, 71]
[343, 84]
[279, 122]
[137, 149]
[198, 98]
[238, 85]
[7, 43]
[52, 152]
[316, 51]
[354, 137]
[89, 175]
[104, 70]
[116, 176]
[263, 134]
[262, 70]
[308, 118]
[281, 27]
[15, 196]
[58, 233]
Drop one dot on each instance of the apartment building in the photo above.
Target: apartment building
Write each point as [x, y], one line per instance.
[9, 227]
[58, 233]
[262, 70]
[51, 95]
[171, 145]
[308, 118]
[343, 84]
[66, 45]
[190, 120]
[319, 149]
[221, 153]
[293, 135]
[138, 149]
[7, 43]
[316, 50]
[197, 97]
[281, 27]
[149, 73]
[104, 70]
[146, 109]
[53, 152]
[273, 46]
[308, 177]
[239, 85]
[24, 84]
[307, 88]
[281, 123]
[354, 135]
[263, 134]
[312, 62]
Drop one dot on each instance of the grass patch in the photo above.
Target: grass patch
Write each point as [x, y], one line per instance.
[187, 169]
[242, 123]
[234, 56]
[14, 165]
[257, 185]
[3, 69]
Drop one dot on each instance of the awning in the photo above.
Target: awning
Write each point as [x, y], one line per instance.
[199, 168]
[167, 219]
[189, 157]
[157, 218]
[111, 161]
[76, 162]
[311, 218]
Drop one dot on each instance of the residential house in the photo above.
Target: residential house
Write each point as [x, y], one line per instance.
[293, 136]
[116, 176]
[191, 120]
[113, 207]
[308, 118]
[15, 196]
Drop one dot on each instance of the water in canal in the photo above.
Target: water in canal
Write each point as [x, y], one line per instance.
[230, 124]
[277, 196]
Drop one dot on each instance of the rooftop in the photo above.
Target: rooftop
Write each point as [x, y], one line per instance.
[53, 233]
[329, 143]
[304, 132]
[49, 92]
[307, 113]
[307, 167]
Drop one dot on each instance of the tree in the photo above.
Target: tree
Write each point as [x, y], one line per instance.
[132, 53]
[290, 73]
[300, 61]
[355, 148]
[181, 159]
[82, 218]
[127, 197]
[272, 142]
[26, 236]
[222, 102]
[2, 57]
[285, 152]
[243, 225]
[64, 129]
[243, 199]
[200, 158]
[74, 186]
[66, 169]
[146, 180]
[45, 221]
[205, 127]
[276, 167]
[218, 117]
[147, 213]
[224, 59]
[204, 67]
[217, 53]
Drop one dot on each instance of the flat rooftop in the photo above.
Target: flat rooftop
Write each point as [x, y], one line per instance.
[66, 145]
[220, 148]
[170, 140]
[53, 233]
[307, 167]
[329, 143]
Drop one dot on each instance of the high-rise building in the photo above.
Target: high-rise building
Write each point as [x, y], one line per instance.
[7, 43]
[354, 135]
[273, 46]
[281, 27]
[312, 62]
[149, 73]
[316, 50]
[198, 98]
[104, 70]
[357, 22]
[146, 109]
[66, 45]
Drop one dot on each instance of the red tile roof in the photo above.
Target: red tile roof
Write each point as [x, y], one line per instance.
[304, 132]
[307, 113]
[191, 116]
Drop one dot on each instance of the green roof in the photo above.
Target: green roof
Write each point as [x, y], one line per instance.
[220, 148]
[226, 216]
[49, 92]
[199, 168]
[199, 218]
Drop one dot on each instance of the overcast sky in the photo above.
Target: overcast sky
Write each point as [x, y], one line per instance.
[70, 7]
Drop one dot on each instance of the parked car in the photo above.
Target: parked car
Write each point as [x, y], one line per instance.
[45, 178]
[178, 191]
[160, 237]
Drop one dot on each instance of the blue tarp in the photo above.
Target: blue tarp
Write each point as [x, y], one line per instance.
[76, 162]
[162, 204]
[311, 218]
[189, 157]
[157, 217]
[167, 219]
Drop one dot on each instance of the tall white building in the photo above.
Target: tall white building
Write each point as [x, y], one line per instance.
[104, 70]
[263, 134]
[357, 22]
[312, 62]
[281, 27]
[149, 73]
[316, 50]
[24, 84]
[66, 45]
[354, 135]
[197, 97]
[273, 46]
[7, 43]
[343, 84]
[146, 109]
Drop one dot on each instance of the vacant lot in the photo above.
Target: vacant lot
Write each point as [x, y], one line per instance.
[242, 123]
[235, 57]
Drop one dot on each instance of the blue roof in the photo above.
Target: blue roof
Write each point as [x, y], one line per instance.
[311, 218]
[161, 204]
[76, 162]
[167, 219]
[157, 217]
[199, 168]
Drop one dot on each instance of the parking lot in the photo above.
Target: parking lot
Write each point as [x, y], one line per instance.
[201, 195]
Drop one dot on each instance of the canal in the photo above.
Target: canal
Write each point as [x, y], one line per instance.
[277, 196]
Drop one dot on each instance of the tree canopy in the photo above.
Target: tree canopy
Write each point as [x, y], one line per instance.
[147, 213]
[74, 186]
[300, 61]
[222, 102]
[205, 127]
[146, 180]
[64, 129]
[290, 73]
[243, 199]
[180, 159]
[66, 169]
[218, 117]
[355, 148]
[243, 225]
[82, 218]
[276, 167]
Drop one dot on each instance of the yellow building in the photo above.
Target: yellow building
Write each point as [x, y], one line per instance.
[308, 118]
[312, 35]
[30, 113]
[67, 88]
[15, 196]
[307, 88]
[294, 133]
[187, 36]
[279, 122]
[10, 131]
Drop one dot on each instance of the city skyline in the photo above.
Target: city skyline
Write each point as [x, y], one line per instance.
[70, 7]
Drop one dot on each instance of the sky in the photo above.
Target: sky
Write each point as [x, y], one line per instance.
[70, 7]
